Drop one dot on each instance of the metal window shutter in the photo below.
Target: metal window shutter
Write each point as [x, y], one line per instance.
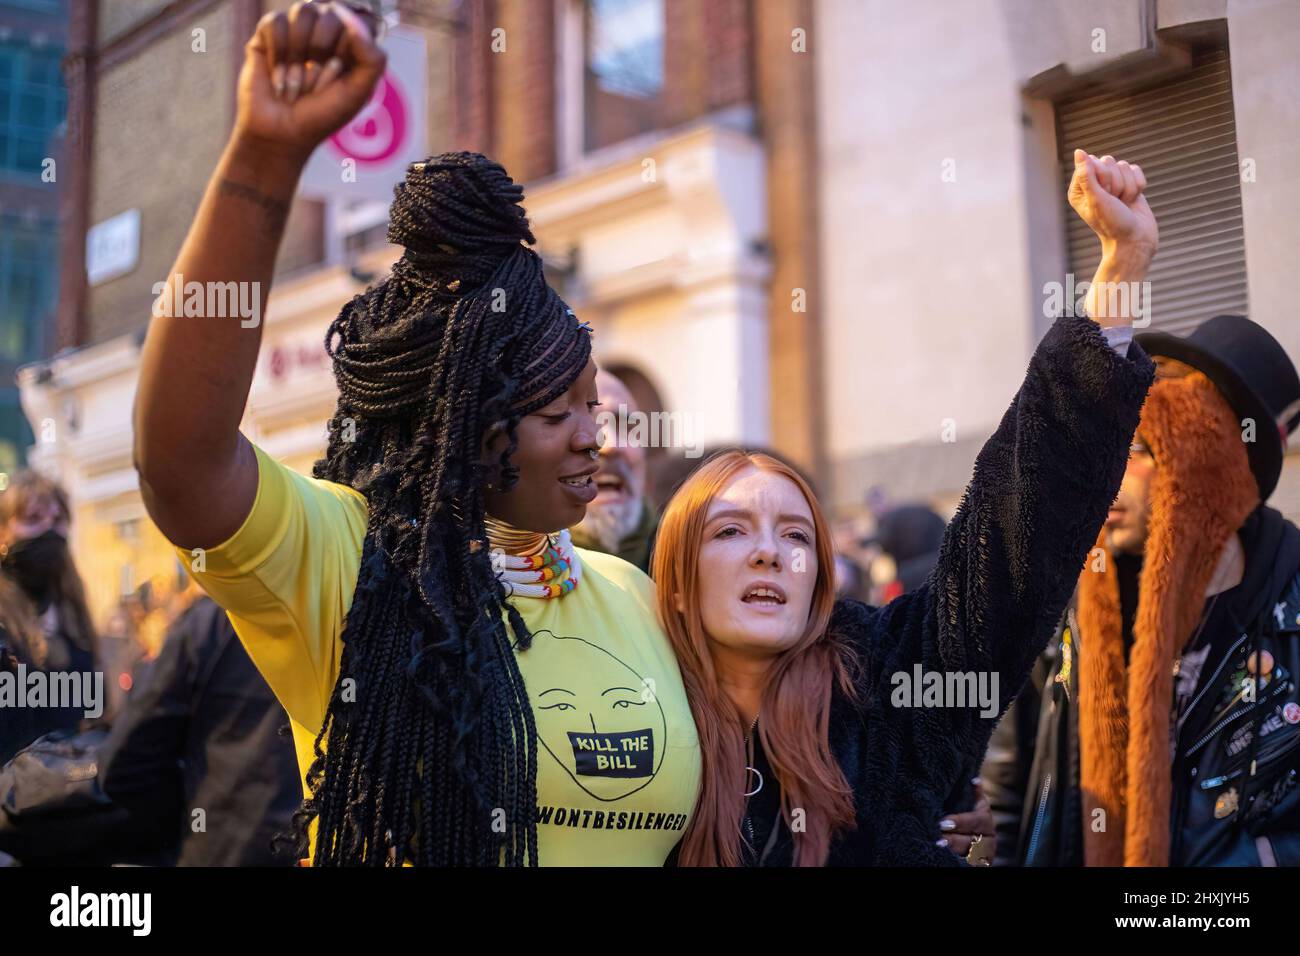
[1183, 134]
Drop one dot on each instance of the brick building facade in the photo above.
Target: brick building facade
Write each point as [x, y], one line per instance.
[666, 148]
[742, 68]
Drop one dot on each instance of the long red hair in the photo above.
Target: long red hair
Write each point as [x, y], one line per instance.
[796, 701]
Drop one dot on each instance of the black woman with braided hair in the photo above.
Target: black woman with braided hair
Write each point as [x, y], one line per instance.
[465, 687]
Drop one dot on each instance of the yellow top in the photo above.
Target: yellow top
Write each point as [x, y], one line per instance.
[618, 761]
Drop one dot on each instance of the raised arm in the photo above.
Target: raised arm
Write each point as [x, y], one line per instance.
[1040, 490]
[306, 73]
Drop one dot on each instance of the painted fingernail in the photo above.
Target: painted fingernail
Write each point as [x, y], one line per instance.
[294, 81]
[947, 825]
[940, 842]
[277, 80]
[978, 781]
[332, 68]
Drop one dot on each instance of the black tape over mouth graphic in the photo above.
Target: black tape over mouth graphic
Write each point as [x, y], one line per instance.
[624, 754]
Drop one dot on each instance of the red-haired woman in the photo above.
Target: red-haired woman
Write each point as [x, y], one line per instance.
[833, 733]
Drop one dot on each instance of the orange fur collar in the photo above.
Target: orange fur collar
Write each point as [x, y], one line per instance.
[1201, 493]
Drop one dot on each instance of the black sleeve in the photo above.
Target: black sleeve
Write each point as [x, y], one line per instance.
[1003, 783]
[1012, 554]
[141, 759]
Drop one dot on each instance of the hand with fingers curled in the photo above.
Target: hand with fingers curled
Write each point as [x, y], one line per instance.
[307, 71]
[971, 835]
[1108, 194]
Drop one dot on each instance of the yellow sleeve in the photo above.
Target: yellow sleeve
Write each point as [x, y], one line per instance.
[286, 579]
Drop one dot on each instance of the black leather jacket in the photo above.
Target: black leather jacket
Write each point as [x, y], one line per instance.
[1222, 814]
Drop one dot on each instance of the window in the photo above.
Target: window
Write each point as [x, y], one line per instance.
[128, 531]
[32, 105]
[15, 434]
[623, 69]
[39, 6]
[28, 285]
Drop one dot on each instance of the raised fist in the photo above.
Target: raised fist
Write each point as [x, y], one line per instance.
[1108, 195]
[306, 73]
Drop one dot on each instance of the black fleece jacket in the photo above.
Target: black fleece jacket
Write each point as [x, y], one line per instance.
[1041, 488]
[202, 730]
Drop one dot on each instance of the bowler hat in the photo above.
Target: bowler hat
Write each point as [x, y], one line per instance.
[1254, 375]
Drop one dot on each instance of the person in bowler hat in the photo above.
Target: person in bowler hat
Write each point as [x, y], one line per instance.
[1162, 725]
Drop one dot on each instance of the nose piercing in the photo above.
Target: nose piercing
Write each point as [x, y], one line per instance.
[593, 453]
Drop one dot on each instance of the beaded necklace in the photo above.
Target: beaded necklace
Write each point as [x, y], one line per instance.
[532, 564]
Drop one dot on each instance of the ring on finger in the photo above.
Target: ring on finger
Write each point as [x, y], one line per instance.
[975, 841]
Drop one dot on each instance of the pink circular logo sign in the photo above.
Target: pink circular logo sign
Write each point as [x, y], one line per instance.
[379, 130]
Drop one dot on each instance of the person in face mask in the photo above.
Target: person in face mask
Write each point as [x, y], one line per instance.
[42, 599]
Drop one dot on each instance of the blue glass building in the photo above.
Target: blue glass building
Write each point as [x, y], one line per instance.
[33, 107]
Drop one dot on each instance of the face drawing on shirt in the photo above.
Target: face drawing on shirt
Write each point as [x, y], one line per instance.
[597, 717]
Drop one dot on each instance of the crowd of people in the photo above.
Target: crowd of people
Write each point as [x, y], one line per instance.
[475, 636]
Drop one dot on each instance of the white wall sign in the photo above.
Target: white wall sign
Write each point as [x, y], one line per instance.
[366, 158]
[113, 247]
